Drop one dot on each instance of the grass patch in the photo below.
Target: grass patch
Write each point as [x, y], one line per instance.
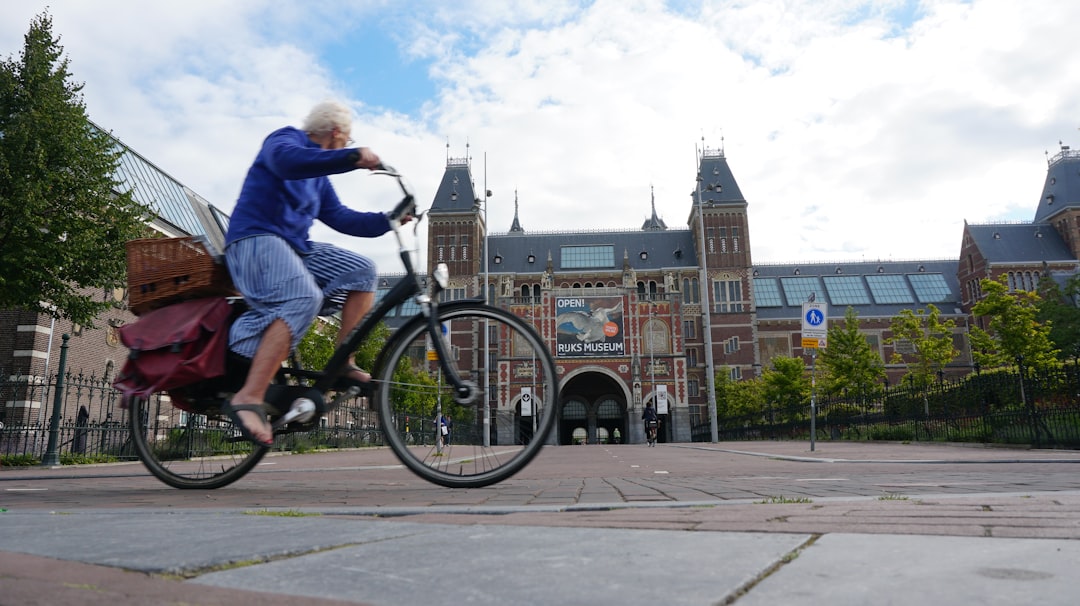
[892, 496]
[782, 500]
[289, 513]
[19, 460]
[70, 458]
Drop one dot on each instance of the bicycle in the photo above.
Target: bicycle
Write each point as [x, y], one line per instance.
[651, 427]
[451, 357]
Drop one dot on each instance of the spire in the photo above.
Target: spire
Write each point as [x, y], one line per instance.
[655, 223]
[515, 227]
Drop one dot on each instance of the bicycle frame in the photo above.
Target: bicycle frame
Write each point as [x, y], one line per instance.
[409, 287]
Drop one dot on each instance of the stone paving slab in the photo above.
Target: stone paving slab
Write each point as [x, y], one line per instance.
[498, 565]
[400, 563]
[848, 570]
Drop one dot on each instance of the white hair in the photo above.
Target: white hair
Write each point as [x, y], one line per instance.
[327, 116]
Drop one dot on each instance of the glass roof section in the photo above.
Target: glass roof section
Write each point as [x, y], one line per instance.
[158, 191]
[797, 290]
[767, 293]
[406, 310]
[930, 288]
[846, 290]
[588, 257]
[889, 289]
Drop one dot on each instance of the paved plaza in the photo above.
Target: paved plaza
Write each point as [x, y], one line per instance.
[729, 523]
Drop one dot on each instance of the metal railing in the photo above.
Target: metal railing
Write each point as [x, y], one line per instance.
[76, 418]
[1040, 409]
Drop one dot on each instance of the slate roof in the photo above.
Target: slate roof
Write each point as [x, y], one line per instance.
[1019, 243]
[667, 249]
[718, 185]
[1062, 187]
[456, 192]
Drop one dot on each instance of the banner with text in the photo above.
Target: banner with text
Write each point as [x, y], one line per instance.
[589, 327]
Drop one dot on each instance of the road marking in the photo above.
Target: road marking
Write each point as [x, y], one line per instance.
[821, 479]
[661, 471]
[25, 489]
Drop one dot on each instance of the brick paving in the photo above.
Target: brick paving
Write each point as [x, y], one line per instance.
[756, 486]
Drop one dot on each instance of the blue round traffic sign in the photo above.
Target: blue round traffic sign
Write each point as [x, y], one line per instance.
[814, 317]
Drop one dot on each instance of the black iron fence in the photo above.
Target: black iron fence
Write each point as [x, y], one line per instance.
[76, 418]
[1040, 409]
[92, 426]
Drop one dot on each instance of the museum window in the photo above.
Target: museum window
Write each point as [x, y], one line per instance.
[728, 295]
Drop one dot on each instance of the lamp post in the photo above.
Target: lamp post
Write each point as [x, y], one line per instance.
[487, 331]
[706, 323]
[652, 357]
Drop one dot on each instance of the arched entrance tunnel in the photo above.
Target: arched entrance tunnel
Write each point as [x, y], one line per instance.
[593, 410]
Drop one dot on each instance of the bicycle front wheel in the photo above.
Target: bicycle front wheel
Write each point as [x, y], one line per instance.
[189, 450]
[491, 435]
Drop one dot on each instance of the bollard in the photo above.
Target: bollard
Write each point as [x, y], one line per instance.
[52, 457]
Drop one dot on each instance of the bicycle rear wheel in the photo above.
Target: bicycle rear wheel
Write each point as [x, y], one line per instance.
[188, 450]
[491, 437]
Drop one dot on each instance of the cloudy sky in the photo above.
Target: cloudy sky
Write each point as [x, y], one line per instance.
[856, 130]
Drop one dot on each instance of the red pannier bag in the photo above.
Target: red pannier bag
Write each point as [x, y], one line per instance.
[175, 346]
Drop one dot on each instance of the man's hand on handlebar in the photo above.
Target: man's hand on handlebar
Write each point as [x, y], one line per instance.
[367, 159]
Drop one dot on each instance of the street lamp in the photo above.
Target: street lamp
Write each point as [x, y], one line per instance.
[487, 331]
[652, 353]
[714, 432]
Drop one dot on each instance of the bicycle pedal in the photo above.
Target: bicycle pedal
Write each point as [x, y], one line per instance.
[301, 411]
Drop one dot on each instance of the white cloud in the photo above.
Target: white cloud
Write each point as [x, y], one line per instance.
[851, 134]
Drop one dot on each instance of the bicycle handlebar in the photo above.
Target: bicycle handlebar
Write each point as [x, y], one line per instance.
[407, 206]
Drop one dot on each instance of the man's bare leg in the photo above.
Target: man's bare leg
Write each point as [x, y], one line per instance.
[357, 305]
[272, 351]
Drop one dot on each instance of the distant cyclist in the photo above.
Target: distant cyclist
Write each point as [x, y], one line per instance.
[651, 423]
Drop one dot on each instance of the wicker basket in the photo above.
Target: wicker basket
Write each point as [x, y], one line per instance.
[161, 271]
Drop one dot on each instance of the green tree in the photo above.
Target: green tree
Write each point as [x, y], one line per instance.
[1015, 333]
[319, 344]
[930, 339]
[63, 217]
[787, 387]
[850, 363]
[736, 398]
[1058, 310]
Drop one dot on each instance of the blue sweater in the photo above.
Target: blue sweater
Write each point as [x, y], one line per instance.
[287, 188]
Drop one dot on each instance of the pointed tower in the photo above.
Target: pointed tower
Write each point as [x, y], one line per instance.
[515, 227]
[1059, 204]
[727, 232]
[720, 229]
[456, 228]
[654, 223]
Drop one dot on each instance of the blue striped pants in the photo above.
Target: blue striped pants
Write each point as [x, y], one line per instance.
[278, 281]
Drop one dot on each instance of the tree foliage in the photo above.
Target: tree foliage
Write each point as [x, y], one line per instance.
[930, 338]
[786, 385]
[63, 217]
[736, 398]
[1058, 310]
[415, 393]
[850, 363]
[1015, 334]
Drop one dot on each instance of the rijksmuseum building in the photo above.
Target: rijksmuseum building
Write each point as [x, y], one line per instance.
[632, 314]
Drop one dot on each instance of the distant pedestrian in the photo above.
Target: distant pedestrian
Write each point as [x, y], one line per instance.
[78, 446]
[446, 426]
